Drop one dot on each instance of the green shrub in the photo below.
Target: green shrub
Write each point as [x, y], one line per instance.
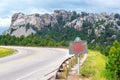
[113, 64]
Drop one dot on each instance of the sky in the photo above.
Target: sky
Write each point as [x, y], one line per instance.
[9, 7]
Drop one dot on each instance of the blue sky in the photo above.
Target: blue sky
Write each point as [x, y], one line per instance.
[9, 7]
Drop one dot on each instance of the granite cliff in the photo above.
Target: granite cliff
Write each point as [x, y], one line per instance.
[22, 24]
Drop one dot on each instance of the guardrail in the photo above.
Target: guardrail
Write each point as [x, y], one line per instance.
[65, 68]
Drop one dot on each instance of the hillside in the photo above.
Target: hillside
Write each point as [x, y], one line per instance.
[61, 25]
[22, 24]
[31, 23]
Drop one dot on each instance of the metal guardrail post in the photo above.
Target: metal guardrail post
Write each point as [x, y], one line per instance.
[66, 67]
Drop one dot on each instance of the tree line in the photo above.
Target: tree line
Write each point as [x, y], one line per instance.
[30, 40]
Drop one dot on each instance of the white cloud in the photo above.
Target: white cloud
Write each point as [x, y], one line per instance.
[33, 10]
[9, 7]
[5, 22]
[103, 3]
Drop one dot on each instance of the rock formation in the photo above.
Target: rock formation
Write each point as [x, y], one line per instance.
[22, 24]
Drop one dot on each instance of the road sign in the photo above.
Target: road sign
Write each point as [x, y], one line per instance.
[78, 47]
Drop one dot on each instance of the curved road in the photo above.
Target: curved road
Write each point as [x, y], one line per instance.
[31, 63]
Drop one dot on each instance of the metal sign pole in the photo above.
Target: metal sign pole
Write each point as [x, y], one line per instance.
[78, 47]
[78, 64]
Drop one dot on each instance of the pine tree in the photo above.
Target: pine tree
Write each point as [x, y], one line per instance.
[113, 65]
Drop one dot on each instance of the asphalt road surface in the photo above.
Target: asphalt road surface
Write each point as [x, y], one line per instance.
[31, 63]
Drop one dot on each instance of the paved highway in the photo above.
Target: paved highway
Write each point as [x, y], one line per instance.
[31, 63]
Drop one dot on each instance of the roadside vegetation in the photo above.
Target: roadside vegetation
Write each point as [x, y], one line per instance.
[94, 66]
[101, 67]
[5, 52]
[113, 64]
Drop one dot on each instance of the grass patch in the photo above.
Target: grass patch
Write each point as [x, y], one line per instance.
[94, 66]
[5, 52]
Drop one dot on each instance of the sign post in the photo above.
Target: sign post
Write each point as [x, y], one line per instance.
[78, 64]
[78, 47]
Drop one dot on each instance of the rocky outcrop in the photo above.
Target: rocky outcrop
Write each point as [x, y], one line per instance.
[89, 18]
[22, 24]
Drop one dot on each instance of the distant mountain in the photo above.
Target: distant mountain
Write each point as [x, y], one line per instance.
[22, 24]
[96, 27]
